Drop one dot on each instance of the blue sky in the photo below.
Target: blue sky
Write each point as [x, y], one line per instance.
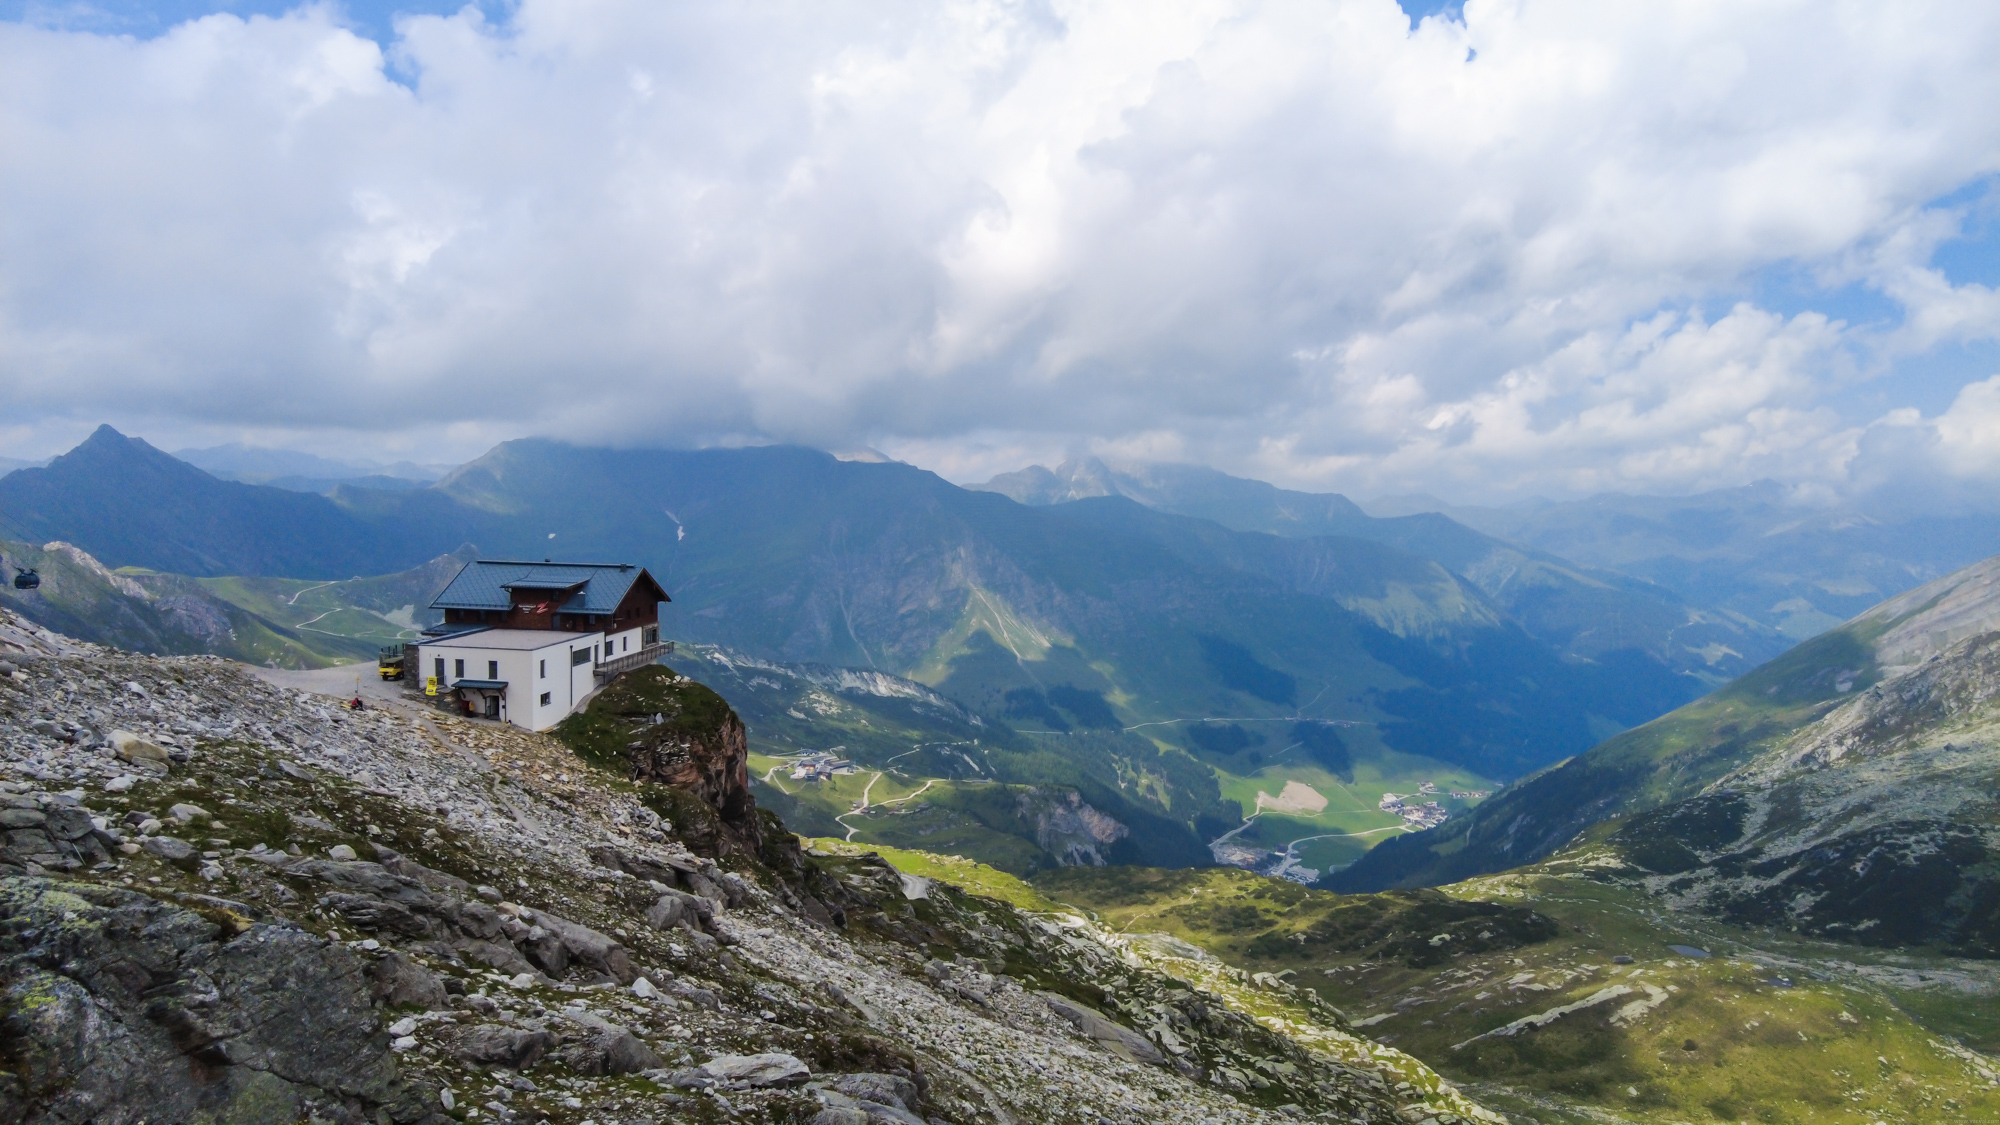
[147, 18]
[1545, 248]
[373, 19]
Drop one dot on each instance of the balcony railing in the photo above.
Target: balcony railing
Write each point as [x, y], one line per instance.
[635, 659]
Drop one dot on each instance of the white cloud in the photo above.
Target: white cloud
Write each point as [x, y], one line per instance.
[1968, 434]
[1299, 239]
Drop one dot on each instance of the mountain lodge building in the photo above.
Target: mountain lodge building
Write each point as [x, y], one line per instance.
[528, 643]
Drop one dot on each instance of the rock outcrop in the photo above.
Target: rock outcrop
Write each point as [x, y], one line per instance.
[656, 726]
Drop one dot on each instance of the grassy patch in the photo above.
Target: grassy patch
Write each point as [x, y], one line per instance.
[965, 874]
[1763, 1031]
[645, 707]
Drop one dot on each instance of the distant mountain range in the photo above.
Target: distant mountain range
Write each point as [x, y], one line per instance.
[1845, 789]
[1587, 613]
[129, 504]
[305, 472]
[1752, 551]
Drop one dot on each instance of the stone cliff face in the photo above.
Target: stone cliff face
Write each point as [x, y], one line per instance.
[655, 726]
[711, 765]
[1069, 828]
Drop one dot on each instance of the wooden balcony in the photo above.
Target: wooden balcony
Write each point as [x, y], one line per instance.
[638, 658]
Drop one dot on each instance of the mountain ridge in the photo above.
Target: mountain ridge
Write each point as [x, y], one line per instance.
[131, 505]
[1587, 612]
[1754, 550]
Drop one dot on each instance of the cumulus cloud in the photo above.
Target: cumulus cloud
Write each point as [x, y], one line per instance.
[1303, 240]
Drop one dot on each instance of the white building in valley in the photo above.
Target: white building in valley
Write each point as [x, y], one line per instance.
[528, 643]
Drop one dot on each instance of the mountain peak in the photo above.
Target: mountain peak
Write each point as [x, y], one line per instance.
[1039, 486]
[105, 439]
[108, 455]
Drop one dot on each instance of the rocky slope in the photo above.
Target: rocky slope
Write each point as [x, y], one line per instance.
[232, 902]
[1878, 823]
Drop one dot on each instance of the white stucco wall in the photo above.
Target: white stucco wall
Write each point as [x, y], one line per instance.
[529, 674]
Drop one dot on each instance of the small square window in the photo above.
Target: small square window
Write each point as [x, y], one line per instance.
[545, 699]
[493, 669]
[458, 669]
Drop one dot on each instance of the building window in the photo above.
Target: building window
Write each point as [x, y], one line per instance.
[545, 669]
[652, 636]
[625, 645]
[545, 699]
[579, 656]
[493, 669]
[458, 669]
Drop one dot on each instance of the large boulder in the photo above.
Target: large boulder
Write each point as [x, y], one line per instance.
[602, 1047]
[582, 945]
[119, 1007]
[679, 908]
[496, 1045]
[867, 1099]
[399, 982]
[756, 1071]
[1116, 1038]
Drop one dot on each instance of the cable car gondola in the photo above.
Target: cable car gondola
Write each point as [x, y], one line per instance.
[27, 580]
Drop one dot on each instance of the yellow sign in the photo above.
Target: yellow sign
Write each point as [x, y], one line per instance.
[430, 685]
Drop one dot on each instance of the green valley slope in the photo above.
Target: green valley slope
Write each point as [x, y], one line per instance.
[278, 622]
[1869, 749]
[1556, 997]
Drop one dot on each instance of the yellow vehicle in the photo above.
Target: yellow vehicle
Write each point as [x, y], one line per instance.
[390, 662]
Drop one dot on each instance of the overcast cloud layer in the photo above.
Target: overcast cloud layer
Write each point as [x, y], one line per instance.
[1557, 247]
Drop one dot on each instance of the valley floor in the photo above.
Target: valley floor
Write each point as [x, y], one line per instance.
[1613, 1010]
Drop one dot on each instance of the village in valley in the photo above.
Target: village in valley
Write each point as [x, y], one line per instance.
[1427, 814]
[821, 765]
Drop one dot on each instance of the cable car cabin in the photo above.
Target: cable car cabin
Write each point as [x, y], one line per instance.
[27, 580]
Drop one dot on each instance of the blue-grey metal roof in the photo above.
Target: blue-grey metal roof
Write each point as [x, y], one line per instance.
[486, 584]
